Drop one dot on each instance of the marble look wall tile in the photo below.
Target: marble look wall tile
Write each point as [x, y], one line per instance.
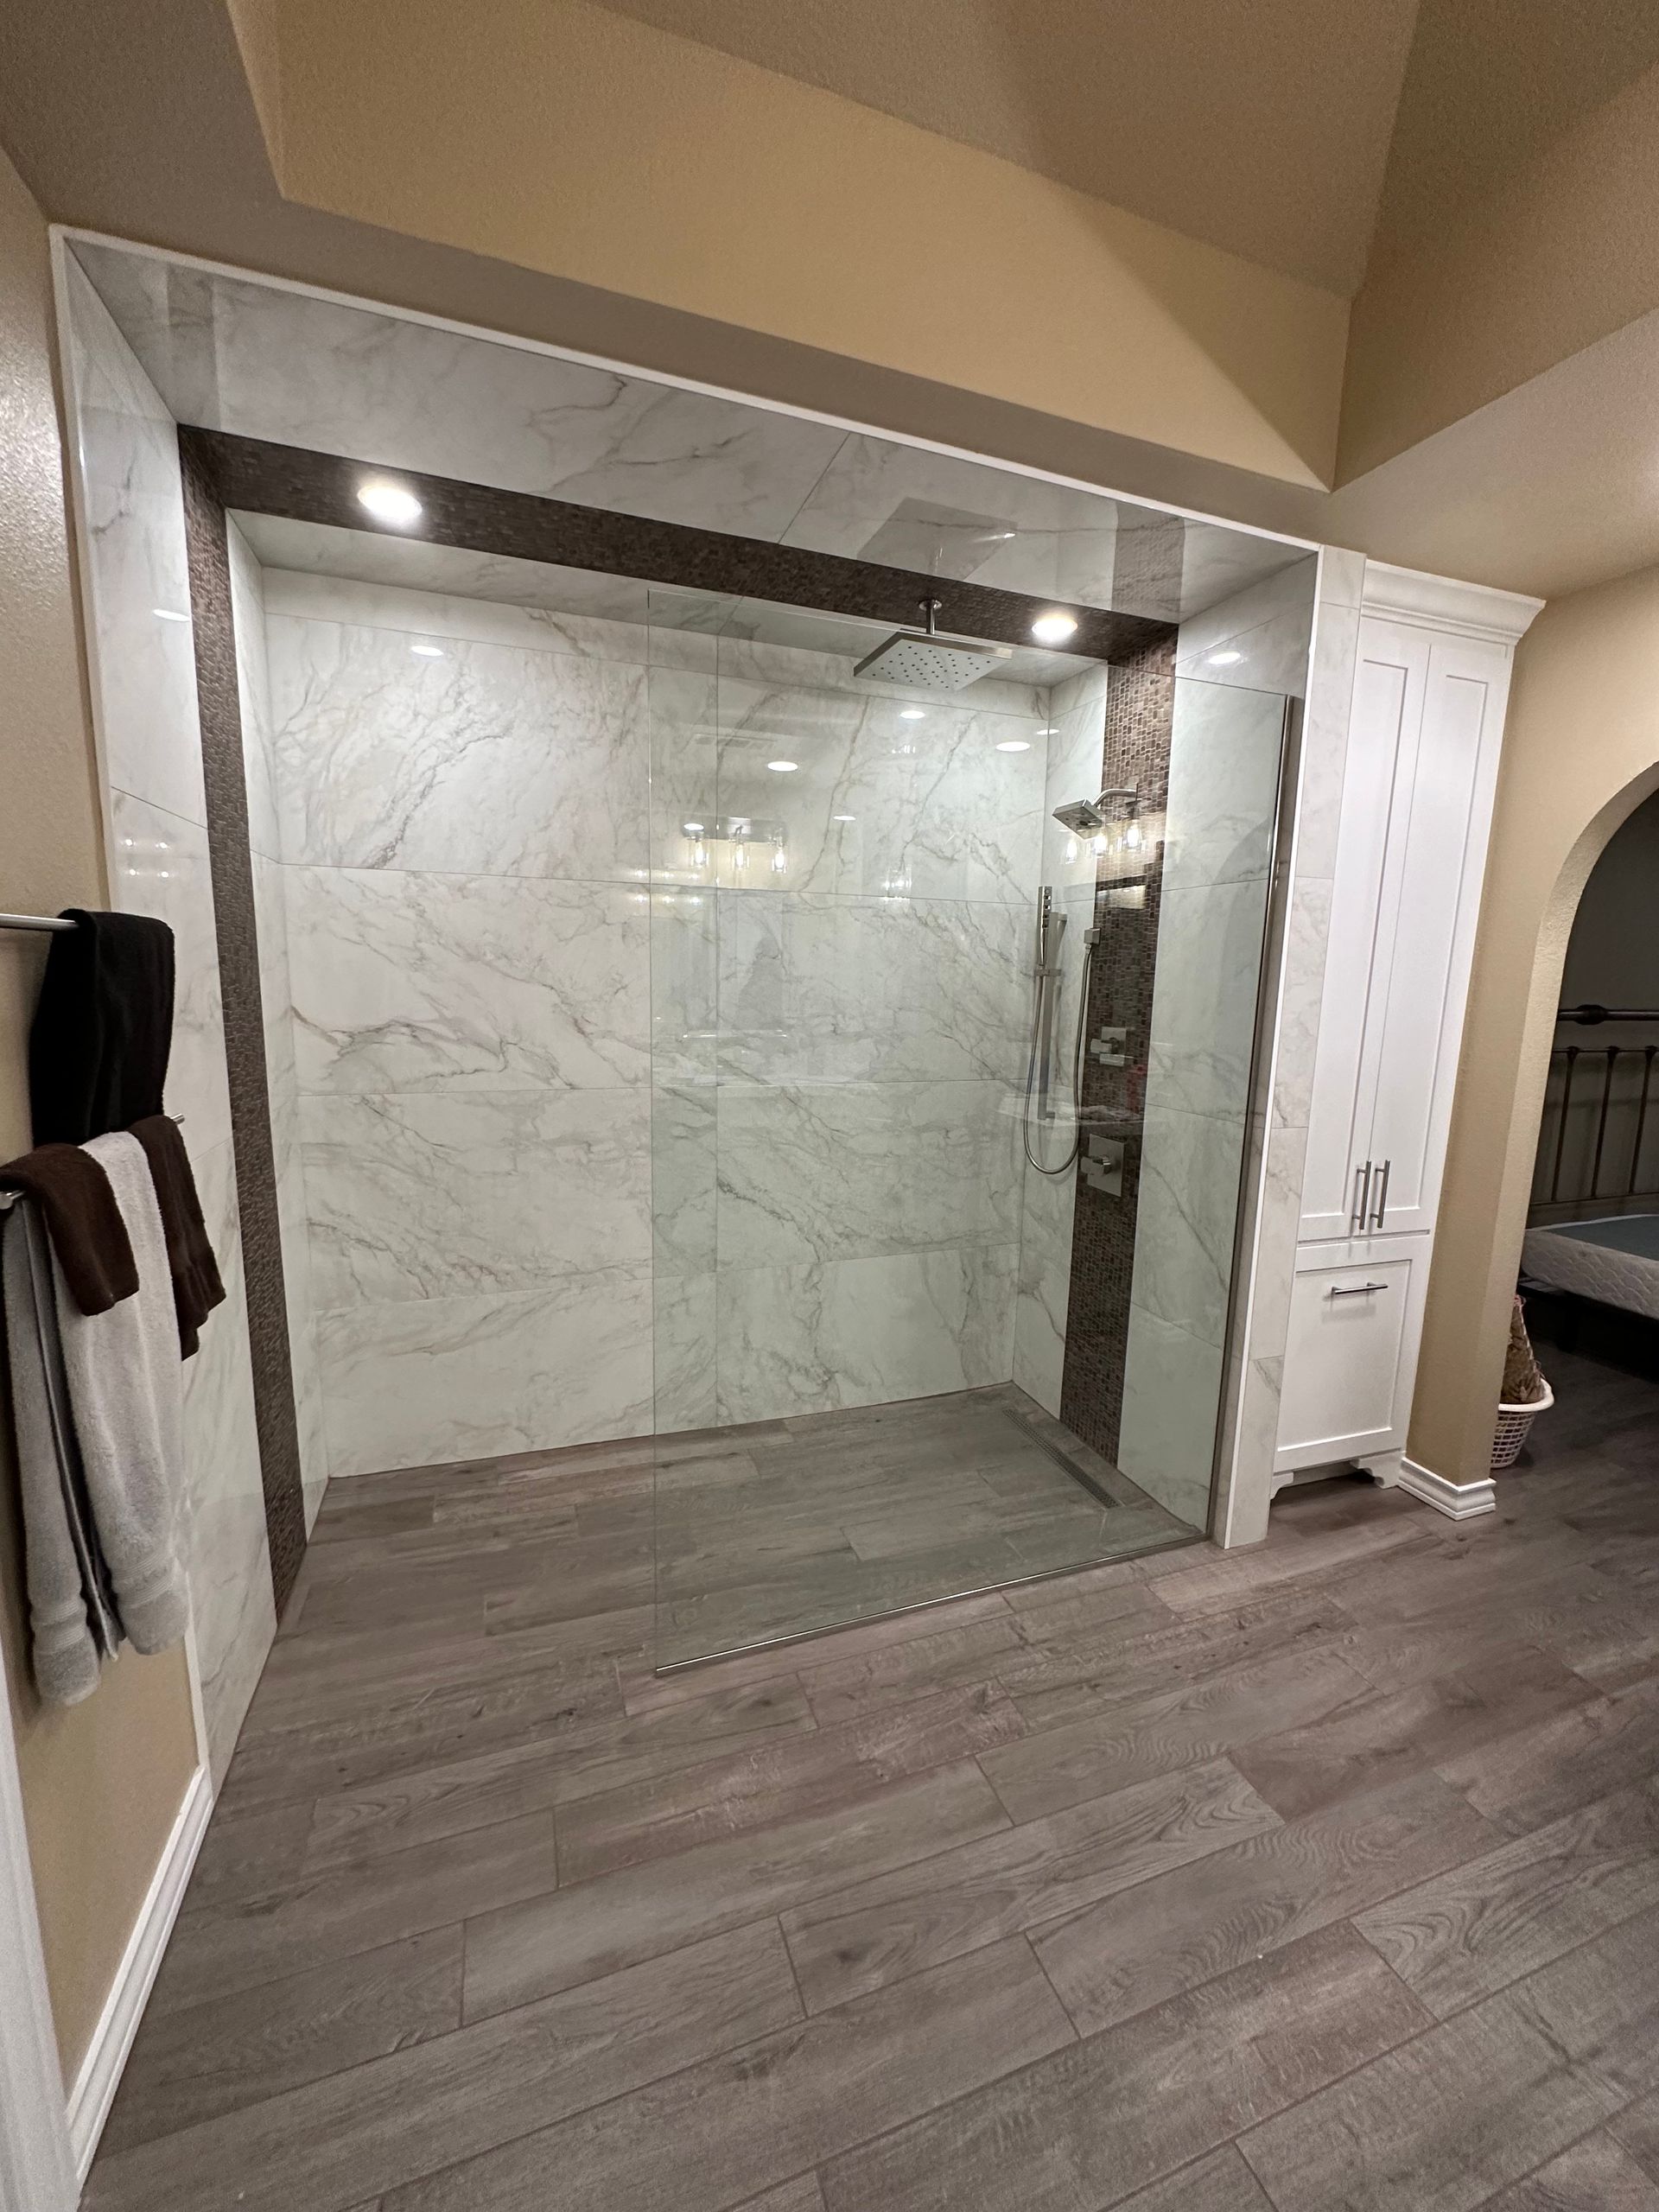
[139, 578]
[283, 364]
[782, 656]
[877, 804]
[1342, 577]
[456, 983]
[850, 1171]
[489, 760]
[231, 1596]
[431, 614]
[1186, 1218]
[1172, 1400]
[857, 1332]
[1048, 1209]
[1223, 783]
[439, 1194]
[682, 707]
[1325, 739]
[814, 988]
[1076, 741]
[684, 1173]
[1204, 998]
[1256, 638]
[1307, 931]
[160, 866]
[434, 1379]
[684, 1338]
[685, 926]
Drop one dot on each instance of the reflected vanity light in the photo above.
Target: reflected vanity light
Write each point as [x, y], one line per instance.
[169, 614]
[389, 503]
[427, 653]
[843, 817]
[1054, 628]
[1229, 659]
[912, 713]
[783, 767]
[1015, 744]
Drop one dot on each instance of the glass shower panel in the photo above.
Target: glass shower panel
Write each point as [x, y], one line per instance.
[844, 884]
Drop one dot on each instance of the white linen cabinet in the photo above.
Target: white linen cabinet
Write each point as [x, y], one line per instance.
[1425, 722]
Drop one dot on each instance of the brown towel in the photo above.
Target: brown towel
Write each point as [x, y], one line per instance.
[196, 1286]
[83, 1220]
[98, 1046]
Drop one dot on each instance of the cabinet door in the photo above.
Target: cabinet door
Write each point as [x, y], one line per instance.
[1390, 678]
[1355, 1314]
[1439, 815]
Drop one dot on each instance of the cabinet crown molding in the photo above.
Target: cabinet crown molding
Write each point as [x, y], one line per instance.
[1443, 603]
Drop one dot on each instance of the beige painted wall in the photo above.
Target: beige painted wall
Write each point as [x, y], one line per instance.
[560, 138]
[1581, 753]
[102, 1782]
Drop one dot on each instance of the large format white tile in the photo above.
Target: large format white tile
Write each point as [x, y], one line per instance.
[857, 1332]
[877, 802]
[439, 1194]
[684, 1340]
[160, 866]
[1172, 1401]
[307, 371]
[850, 1170]
[139, 580]
[1048, 1212]
[434, 1379]
[434, 615]
[1210, 944]
[684, 1171]
[1185, 1218]
[487, 760]
[814, 988]
[1224, 783]
[449, 982]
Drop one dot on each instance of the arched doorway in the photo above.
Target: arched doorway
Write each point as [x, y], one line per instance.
[1590, 1260]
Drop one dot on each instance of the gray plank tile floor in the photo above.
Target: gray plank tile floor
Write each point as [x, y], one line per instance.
[1319, 1875]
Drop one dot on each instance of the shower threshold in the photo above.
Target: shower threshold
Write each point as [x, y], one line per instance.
[779, 1531]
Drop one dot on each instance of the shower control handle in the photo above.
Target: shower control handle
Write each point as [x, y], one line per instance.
[1383, 1194]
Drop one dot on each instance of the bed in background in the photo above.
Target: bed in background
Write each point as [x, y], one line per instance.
[1614, 1260]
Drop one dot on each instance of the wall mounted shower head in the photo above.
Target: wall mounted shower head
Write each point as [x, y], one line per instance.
[1083, 817]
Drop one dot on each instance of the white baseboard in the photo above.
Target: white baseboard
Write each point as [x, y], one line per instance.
[1458, 1501]
[106, 2055]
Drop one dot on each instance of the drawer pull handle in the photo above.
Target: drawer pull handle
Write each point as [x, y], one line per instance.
[1358, 1290]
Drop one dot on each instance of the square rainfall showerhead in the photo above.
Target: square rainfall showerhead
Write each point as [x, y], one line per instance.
[925, 663]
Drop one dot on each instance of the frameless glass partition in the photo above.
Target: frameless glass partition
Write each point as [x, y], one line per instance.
[942, 1270]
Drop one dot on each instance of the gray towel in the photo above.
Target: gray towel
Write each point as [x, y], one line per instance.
[65, 1642]
[126, 1398]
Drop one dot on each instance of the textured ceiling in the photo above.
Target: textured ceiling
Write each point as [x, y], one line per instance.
[1262, 126]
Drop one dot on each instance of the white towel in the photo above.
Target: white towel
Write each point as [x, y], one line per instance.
[126, 1396]
[64, 1652]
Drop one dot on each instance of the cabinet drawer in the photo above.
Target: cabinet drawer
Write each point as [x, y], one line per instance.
[1350, 1355]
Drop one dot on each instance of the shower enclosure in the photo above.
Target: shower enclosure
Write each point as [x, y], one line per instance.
[954, 996]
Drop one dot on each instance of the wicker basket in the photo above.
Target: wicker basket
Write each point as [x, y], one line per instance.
[1514, 1423]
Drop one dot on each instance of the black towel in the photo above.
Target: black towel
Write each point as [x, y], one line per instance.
[196, 1284]
[84, 1223]
[98, 1047]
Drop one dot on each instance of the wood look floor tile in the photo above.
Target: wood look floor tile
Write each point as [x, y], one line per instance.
[352, 1909]
[724, 2131]
[1497, 1917]
[386, 2122]
[858, 1939]
[1230, 1579]
[1106, 2117]
[1599, 2005]
[1062, 1766]
[596, 1927]
[1595, 2175]
[1221, 2183]
[1378, 1735]
[846, 1689]
[228, 2052]
[1261, 1892]
[780, 1778]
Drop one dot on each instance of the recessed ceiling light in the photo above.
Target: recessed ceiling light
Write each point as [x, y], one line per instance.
[427, 653]
[912, 713]
[1225, 660]
[389, 503]
[1054, 629]
[783, 767]
[1015, 744]
[169, 614]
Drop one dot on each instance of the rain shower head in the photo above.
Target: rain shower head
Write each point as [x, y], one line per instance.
[924, 661]
[1083, 817]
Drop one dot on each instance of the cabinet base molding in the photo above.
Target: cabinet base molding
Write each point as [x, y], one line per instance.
[1458, 1501]
[100, 2070]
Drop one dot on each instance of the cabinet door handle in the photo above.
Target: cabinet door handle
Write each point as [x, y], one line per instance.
[1356, 1290]
[1363, 1178]
[1382, 1193]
